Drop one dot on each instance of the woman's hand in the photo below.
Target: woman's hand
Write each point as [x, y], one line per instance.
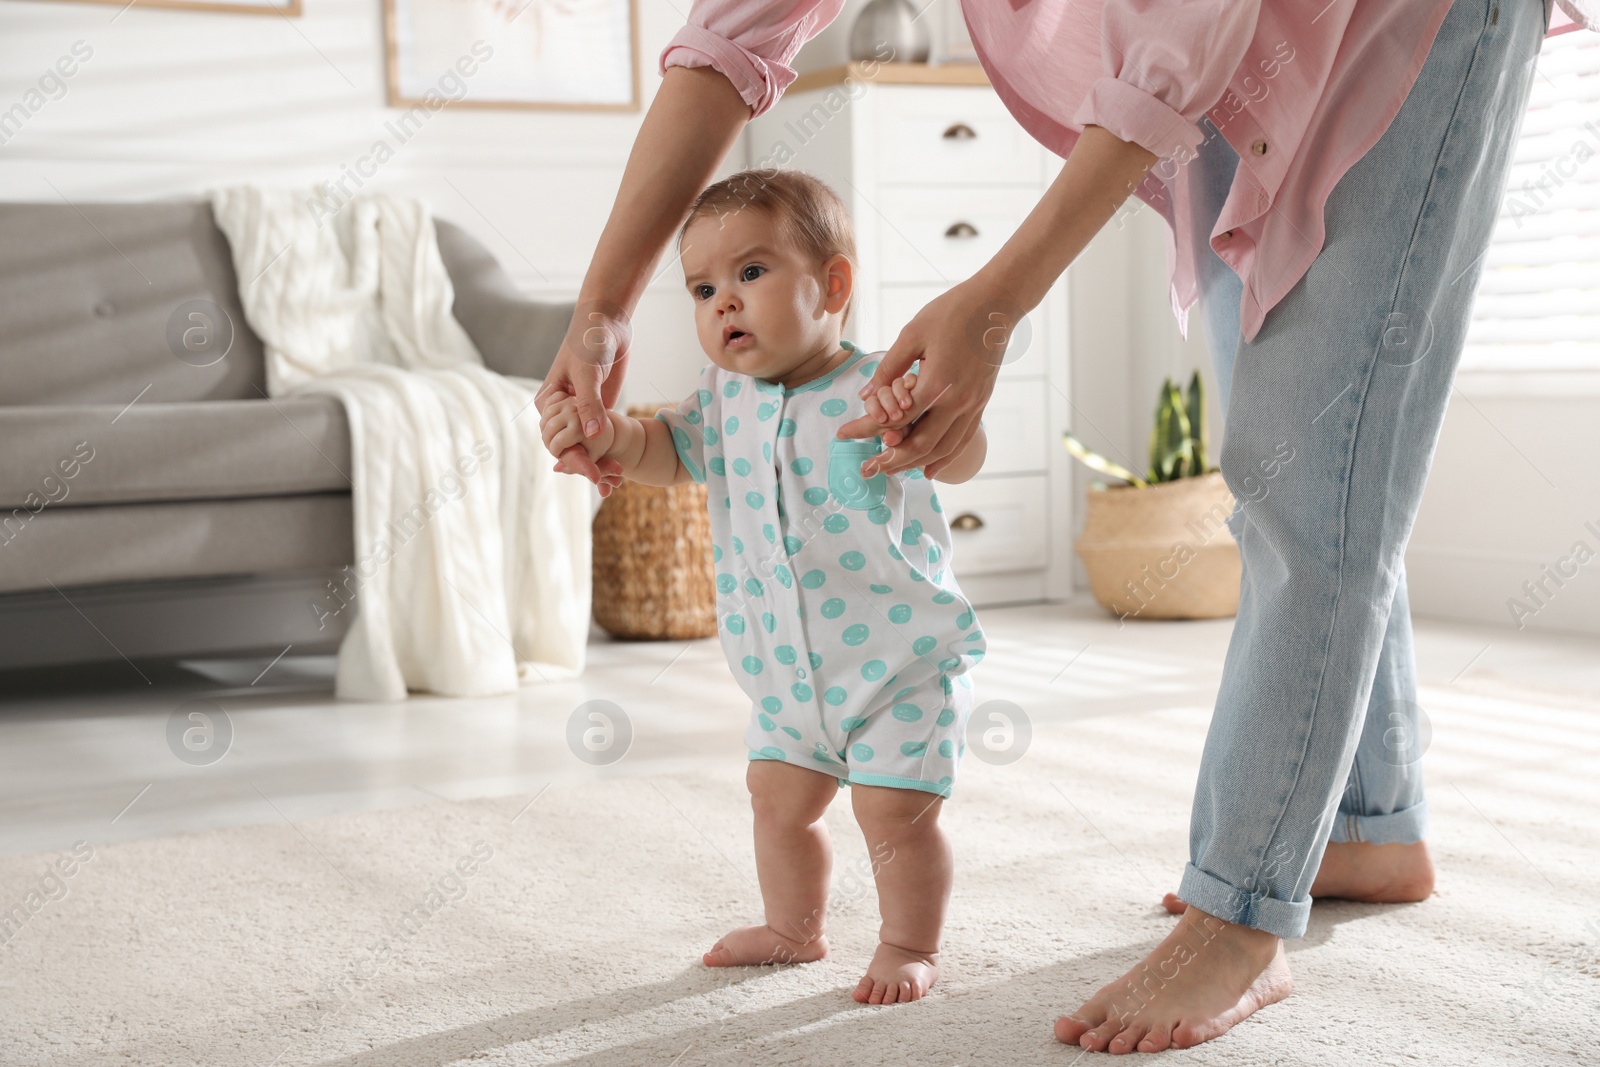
[588, 368]
[961, 337]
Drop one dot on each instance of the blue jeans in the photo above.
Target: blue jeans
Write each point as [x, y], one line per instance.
[1331, 418]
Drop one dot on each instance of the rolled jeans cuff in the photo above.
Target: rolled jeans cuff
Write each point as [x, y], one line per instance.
[1215, 897]
[1401, 827]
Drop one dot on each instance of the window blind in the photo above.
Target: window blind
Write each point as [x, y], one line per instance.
[1538, 299]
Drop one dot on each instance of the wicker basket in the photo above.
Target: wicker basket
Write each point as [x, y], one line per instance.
[653, 577]
[1163, 551]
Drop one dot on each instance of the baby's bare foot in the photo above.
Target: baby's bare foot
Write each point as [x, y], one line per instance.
[896, 975]
[753, 945]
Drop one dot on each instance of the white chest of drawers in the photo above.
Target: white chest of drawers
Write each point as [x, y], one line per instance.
[937, 175]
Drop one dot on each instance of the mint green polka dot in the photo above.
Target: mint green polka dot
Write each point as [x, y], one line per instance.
[912, 533]
[943, 596]
[832, 608]
[834, 695]
[772, 752]
[913, 748]
[976, 654]
[752, 664]
[836, 523]
[851, 723]
[907, 712]
[895, 552]
[769, 621]
[873, 669]
[784, 576]
[813, 579]
[868, 367]
[741, 466]
[900, 613]
[946, 715]
[730, 388]
[731, 426]
[786, 427]
[754, 499]
[852, 561]
[726, 583]
[738, 546]
[727, 502]
[717, 466]
[877, 588]
[815, 495]
[735, 624]
[923, 645]
[944, 680]
[914, 473]
[703, 395]
[716, 553]
[772, 704]
[904, 691]
[934, 552]
[933, 502]
[754, 586]
[711, 435]
[821, 754]
[964, 620]
[681, 439]
[766, 410]
[792, 544]
[792, 732]
[815, 658]
[947, 748]
[766, 723]
[802, 465]
[950, 663]
[785, 654]
[975, 635]
[801, 691]
[834, 406]
[880, 514]
[855, 635]
[862, 753]
[766, 451]
[693, 418]
[917, 576]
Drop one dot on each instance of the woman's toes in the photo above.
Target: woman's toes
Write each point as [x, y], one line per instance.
[1158, 1039]
[1173, 904]
[1070, 1028]
[1129, 1038]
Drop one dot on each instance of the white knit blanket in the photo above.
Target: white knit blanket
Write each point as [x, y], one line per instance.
[472, 570]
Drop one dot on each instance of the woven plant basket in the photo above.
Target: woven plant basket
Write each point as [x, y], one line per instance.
[1162, 551]
[653, 576]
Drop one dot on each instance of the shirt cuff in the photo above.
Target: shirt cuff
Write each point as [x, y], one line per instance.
[760, 82]
[1130, 113]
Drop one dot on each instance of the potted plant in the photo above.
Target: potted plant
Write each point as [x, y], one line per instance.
[1159, 546]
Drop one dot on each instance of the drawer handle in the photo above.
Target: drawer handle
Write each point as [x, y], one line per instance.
[966, 521]
[961, 229]
[960, 132]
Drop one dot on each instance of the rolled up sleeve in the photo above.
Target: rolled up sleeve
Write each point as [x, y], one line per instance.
[751, 43]
[1164, 64]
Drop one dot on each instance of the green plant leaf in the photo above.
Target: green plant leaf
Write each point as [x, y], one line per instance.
[1171, 455]
[1096, 462]
[1196, 410]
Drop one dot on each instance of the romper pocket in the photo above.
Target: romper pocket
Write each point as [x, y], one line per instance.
[845, 458]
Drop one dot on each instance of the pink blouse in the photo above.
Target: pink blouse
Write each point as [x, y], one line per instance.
[1300, 90]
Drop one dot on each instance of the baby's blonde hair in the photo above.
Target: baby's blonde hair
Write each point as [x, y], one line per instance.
[808, 215]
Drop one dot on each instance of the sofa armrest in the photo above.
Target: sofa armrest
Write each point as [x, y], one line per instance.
[516, 334]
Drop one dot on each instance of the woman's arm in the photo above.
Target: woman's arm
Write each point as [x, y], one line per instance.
[692, 122]
[968, 460]
[961, 335]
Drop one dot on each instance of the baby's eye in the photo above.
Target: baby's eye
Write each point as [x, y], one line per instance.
[744, 274]
[700, 291]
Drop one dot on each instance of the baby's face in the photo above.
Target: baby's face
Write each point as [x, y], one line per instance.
[760, 307]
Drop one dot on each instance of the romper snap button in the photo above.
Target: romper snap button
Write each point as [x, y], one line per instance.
[1259, 148]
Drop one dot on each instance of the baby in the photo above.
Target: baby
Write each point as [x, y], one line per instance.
[837, 608]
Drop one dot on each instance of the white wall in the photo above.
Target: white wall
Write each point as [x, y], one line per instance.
[171, 103]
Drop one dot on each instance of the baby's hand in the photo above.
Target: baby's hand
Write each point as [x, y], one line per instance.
[562, 430]
[892, 401]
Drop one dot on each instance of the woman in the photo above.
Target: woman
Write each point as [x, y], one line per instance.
[1331, 175]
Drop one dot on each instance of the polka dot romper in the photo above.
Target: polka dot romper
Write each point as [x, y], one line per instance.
[836, 605]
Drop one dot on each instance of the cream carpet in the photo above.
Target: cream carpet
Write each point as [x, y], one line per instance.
[575, 936]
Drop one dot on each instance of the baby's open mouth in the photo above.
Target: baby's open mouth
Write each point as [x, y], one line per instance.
[736, 336]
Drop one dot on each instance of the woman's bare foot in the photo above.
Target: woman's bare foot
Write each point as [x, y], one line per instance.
[1203, 979]
[896, 975]
[1358, 870]
[753, 945]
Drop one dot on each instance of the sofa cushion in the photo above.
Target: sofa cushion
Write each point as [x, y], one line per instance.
[98, 303]
[64, 457]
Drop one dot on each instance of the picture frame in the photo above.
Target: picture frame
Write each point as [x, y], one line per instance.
[537, 55]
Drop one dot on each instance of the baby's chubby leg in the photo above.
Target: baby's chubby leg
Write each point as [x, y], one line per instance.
[914, 869]
[794, 858]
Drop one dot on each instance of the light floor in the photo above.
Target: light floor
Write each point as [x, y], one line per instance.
[85, 754]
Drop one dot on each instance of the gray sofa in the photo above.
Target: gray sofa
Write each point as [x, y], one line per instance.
[153, 501]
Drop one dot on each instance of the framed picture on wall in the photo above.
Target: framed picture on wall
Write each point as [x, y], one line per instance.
[580, 55]
[234, 7]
